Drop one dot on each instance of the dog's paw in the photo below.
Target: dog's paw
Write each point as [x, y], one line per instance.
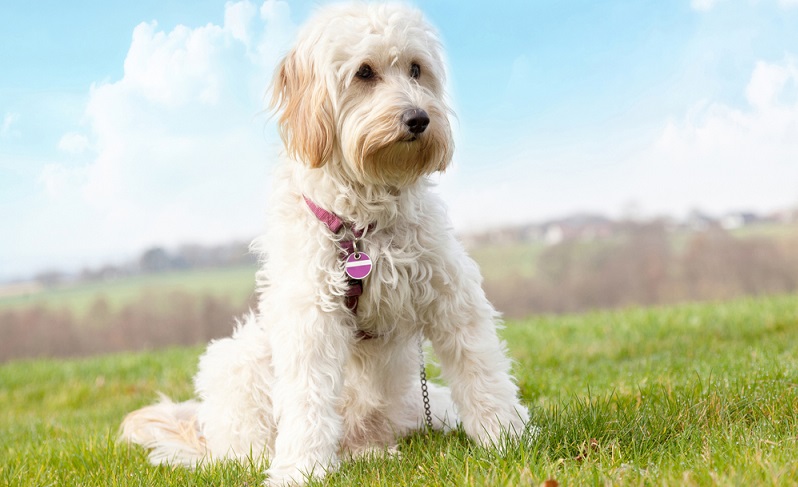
[292, 474]
[376, 452]
[510, 425]
[289, 477]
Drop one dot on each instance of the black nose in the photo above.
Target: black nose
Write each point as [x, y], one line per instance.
[416, 120]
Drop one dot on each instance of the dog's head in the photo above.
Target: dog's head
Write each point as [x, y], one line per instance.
[364, 88]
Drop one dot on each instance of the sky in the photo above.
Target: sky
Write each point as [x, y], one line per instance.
[125, 125]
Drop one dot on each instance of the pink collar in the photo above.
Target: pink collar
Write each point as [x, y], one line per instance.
[333, 221]
[335, 224]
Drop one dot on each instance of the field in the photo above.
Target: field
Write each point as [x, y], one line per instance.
[644, 263]
[686, 395]
[238, 283]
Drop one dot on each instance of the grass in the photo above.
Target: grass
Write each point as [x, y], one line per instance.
[498, 261]
[236, 282]
[703, 394]
[776, 231]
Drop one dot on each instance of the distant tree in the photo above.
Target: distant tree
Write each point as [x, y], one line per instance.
[50, 278]
[155, 259]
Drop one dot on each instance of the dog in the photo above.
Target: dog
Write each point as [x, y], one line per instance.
[360, 264]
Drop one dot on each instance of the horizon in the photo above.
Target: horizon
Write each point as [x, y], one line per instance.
[124, 127]
[131, 262]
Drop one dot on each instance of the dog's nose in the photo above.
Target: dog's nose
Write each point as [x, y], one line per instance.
[416, 120]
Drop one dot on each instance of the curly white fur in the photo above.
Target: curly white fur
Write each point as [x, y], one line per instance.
[294, 382]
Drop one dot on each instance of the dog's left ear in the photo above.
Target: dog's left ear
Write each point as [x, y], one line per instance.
[306, 122]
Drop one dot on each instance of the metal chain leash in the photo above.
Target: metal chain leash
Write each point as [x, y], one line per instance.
[424, 391]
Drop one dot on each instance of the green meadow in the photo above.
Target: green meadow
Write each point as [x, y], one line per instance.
[699, 394]
[236, 282]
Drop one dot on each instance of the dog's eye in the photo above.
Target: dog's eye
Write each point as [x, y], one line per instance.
[415, 71]
[365, 72]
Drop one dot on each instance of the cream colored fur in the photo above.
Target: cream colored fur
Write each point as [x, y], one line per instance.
[294, 382]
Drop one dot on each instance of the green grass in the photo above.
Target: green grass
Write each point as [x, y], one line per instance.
[499, 261]
[236, 282]
[775, 231]
[690, 395]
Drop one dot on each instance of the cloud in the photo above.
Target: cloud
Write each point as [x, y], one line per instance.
[716, 156]
[768, 127]
[729, 156]
[703, 5]
[73, 143]
[707, 5]
[176, 150]
[771, 81]
[238, 18]
[7, 128]
[58, 180]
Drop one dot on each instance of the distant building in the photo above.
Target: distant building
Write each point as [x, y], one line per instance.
[579, 227]
[786, 216]
[738, 219]
[554, 234]
[698, 220]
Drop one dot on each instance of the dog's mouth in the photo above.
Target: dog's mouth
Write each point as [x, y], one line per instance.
[410, 138]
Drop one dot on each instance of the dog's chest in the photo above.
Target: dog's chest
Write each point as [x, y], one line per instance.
[404, 281]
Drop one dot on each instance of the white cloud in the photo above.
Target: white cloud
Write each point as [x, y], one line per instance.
[716, 157]
[174, 69]
[7, 128]
[73, 143]
[770, 81]
[179, 152]
[719, 156]
[707, 5]
[238, 18]
[767, 128]
[703, 5]
[58, 180]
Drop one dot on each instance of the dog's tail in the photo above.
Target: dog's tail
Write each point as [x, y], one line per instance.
[169, 430]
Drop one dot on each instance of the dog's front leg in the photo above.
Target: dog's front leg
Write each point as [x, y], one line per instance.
[474, 362]
[308, 353]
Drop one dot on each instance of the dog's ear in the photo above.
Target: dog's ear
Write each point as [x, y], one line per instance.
[306, 122]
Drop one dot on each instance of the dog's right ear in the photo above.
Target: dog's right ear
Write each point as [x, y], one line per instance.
[306, 122]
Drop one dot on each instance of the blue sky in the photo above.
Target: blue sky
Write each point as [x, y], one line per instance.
[130, 124]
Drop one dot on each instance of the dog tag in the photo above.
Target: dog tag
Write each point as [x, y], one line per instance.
[358, 265]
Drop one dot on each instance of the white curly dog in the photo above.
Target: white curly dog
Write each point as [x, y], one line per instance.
[328, 366]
